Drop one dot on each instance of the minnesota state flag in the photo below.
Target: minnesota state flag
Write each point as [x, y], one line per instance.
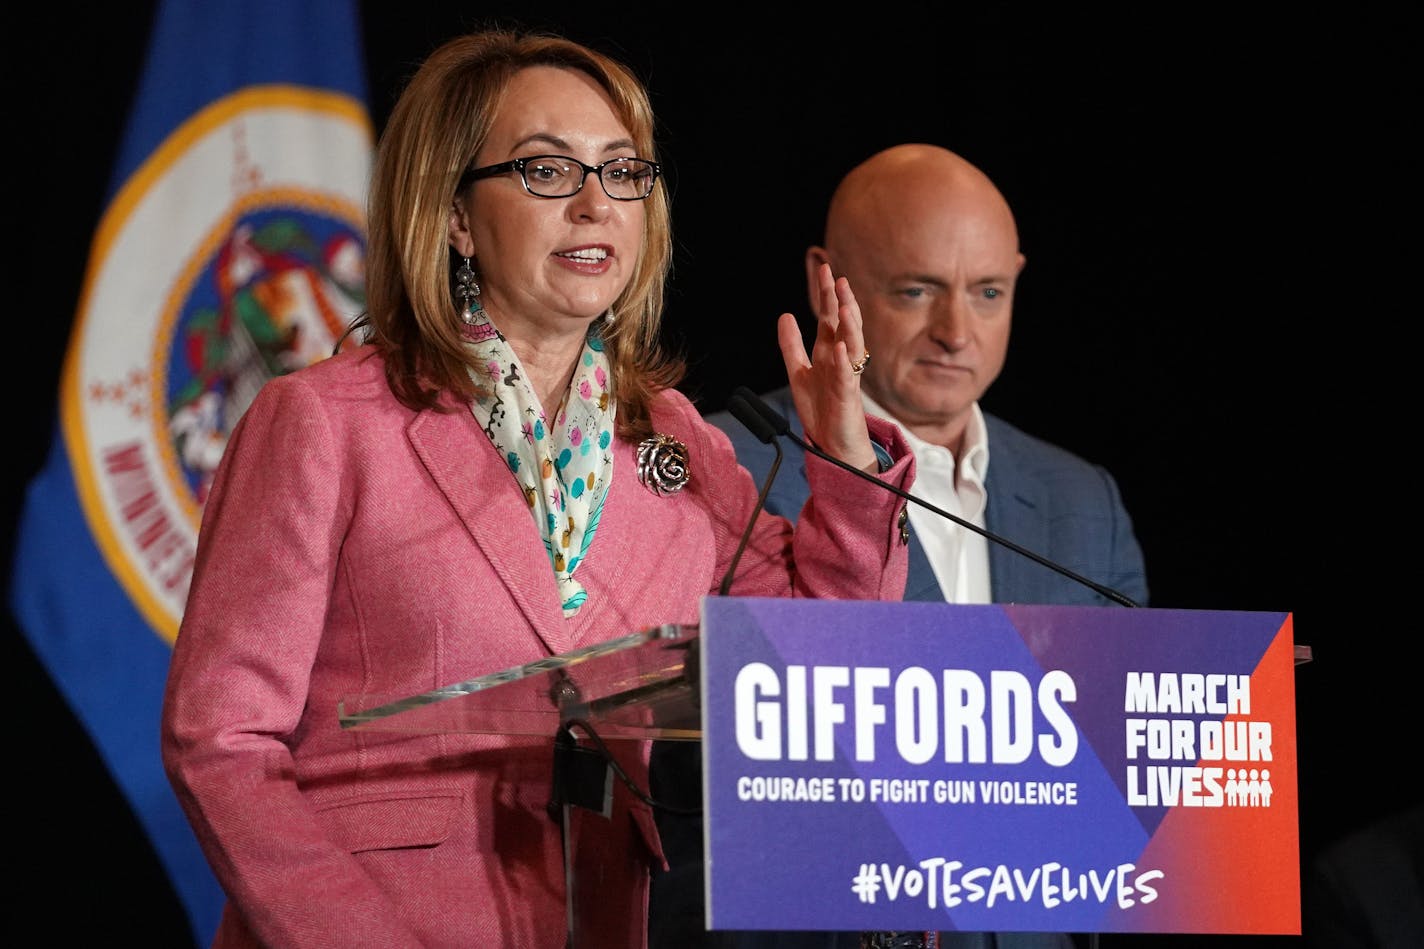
[231, 250]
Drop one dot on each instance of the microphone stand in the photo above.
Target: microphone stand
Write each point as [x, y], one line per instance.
[749, 417]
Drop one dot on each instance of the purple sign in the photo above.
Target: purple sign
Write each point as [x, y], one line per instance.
[877, 766]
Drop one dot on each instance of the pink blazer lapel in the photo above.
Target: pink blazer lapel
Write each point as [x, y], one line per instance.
[467, 469]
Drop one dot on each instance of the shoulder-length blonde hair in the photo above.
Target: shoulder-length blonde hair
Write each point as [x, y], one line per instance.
[442, 118]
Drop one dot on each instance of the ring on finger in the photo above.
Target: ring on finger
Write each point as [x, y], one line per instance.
[859, 367]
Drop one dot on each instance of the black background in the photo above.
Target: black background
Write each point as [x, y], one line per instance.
[1211, 212]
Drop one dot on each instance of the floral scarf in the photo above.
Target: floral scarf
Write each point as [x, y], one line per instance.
[563, 467]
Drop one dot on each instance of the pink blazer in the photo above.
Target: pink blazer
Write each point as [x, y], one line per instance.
[350, 545]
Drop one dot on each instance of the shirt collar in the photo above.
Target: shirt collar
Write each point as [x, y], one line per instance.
[974, 466]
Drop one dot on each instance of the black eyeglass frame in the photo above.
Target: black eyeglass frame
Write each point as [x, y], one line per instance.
[520, 164]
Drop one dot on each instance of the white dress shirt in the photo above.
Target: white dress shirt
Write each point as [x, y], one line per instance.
[960, 557]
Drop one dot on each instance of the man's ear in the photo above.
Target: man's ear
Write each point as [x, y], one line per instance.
[815, 257]
[461, 241]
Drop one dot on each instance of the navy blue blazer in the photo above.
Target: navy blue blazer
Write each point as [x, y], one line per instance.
[1041, 497]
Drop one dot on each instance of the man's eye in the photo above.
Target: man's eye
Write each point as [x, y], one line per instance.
[992, 293]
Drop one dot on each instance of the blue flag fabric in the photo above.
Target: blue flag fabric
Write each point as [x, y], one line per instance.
[231, 250]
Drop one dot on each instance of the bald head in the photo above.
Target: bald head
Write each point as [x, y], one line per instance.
[912, 186]
[931, 250]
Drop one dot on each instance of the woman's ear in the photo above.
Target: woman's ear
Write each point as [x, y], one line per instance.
[460, 239]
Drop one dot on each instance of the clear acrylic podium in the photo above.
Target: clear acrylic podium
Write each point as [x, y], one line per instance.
[640, 686]
[645, 685]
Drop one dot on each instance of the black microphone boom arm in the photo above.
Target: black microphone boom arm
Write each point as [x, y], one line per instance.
[748, 416]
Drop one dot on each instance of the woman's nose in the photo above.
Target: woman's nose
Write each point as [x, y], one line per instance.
[591, 201]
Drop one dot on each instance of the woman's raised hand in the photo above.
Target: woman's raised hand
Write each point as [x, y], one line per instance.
[826, 384]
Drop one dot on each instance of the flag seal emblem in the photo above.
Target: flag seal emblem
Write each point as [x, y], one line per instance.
[234, 254]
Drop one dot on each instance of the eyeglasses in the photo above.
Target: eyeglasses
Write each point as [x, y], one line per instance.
[559, 176]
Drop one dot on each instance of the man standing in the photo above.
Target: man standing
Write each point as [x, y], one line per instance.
[931, 249]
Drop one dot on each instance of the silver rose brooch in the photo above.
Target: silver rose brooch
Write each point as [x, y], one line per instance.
[662, 464]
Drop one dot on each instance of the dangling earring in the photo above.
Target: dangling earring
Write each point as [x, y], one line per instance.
[609, 317]
[467, 293]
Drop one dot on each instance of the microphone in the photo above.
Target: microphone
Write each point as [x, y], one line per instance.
[758, 425]
[777, 424]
